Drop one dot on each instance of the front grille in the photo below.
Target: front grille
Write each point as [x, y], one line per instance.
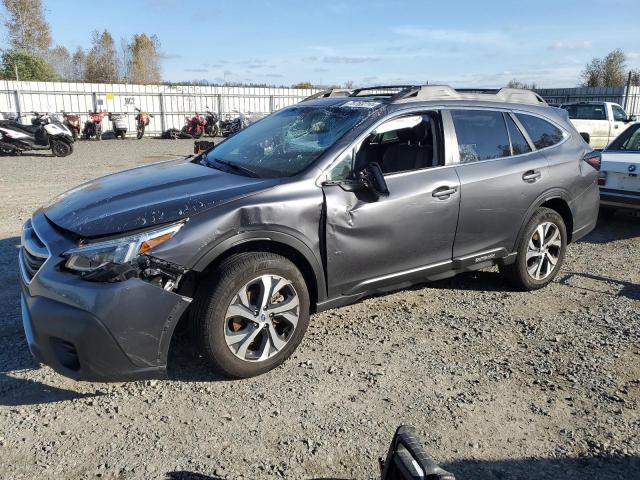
[33, 253]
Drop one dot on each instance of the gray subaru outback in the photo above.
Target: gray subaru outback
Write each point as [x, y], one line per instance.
[314, 207]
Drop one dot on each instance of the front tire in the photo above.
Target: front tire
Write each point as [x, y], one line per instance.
[251, 313]
[61, 149]
[140, 133]
[541, 251]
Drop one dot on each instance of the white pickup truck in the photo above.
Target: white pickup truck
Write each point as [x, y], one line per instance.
[598, 122]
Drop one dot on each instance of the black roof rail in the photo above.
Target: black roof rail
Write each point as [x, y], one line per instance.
[330, 92]
[381, 90]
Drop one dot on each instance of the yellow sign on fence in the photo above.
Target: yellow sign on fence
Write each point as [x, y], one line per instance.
[109, 96]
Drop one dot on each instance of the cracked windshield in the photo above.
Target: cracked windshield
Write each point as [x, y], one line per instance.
[287, 142]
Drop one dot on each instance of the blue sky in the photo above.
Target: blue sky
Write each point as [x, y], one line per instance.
[463, 43]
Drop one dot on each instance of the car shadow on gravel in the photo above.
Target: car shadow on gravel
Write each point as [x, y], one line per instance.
[627, 289]
[185, 475]
[15, 358]
[594, 467]
[622, 225]
[186, 364]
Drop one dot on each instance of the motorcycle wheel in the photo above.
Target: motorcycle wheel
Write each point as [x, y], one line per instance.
[122, 134]
[197, 134]
[61, 149]
[140, 132]
[215, 131]
[98, 132]
[74, 134]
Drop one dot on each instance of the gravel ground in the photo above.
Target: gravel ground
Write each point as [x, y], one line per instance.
[500, 384]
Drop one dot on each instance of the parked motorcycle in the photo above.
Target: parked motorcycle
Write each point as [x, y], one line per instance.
[93, 126]
[72, 122]
[119, 124]
[212, 125]
[45, 132]
[233, 125]
[194, 126]
[142, 121]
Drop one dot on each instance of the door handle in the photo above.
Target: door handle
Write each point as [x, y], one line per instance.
[444, 192]
[531, 176]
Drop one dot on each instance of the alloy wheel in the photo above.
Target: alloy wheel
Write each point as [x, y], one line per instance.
[261, 318]
[543, 250]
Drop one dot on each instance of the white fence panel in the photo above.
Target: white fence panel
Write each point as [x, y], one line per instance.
[169, 104]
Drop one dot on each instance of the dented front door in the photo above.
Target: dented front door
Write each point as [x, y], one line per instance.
[370, 244]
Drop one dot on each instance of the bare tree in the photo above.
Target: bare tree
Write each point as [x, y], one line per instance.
[102, 61]
[28, 31]
[145, 59]
[609, 71]
[78, 63]
[514, 83]
[60, 59]
[125, 60]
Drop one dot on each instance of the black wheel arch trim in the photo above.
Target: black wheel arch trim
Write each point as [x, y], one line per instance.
[291, 241]
[552, 194]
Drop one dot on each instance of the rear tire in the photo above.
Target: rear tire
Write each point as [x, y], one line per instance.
[249, 344]
[540, 257]
[140, 133]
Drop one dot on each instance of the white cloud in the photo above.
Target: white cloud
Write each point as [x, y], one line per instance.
[489, 37]
[633, 55]
[570, 45]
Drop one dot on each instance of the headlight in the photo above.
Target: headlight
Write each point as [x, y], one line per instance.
[119, 250]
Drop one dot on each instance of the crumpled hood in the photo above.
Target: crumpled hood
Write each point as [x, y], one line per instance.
[146, 196]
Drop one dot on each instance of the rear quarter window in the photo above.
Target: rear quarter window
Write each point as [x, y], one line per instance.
[543, 134]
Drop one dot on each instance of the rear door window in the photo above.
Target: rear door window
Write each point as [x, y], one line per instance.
[519, 144]
[543, 134]
[482, 135]
[588, 111]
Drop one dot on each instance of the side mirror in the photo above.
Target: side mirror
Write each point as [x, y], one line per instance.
[370, 179]
[373, 179]
[202, 146]
[408, 460]
[632, 118]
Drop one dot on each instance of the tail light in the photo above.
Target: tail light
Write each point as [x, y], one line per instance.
[602, 179]
[594, 159]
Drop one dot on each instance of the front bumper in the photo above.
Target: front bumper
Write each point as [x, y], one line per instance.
[95, 331]
[619, 198]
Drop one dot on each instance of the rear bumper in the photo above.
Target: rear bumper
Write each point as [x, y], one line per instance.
[95, 331]
[619, 198]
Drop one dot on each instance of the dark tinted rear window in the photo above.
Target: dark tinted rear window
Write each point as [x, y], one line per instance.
[518, 142]
[482, 135]
[542, 133]
[586, 112]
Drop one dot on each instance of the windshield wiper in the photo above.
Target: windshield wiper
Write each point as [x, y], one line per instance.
[237, 167]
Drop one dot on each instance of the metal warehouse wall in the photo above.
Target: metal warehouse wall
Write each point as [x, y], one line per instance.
[169, 104]
[630, 100]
